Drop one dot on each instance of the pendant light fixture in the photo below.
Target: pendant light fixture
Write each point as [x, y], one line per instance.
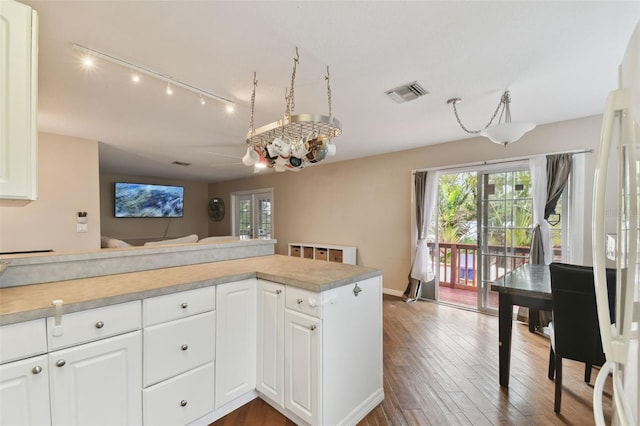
[503, 133]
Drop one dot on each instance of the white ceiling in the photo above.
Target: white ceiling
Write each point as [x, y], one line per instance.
[558, 58]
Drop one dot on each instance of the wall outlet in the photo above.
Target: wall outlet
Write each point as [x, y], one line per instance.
[82, 227]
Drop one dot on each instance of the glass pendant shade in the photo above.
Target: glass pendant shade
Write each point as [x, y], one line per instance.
[506, 133]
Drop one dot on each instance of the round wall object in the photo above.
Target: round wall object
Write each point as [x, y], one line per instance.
[216, 209]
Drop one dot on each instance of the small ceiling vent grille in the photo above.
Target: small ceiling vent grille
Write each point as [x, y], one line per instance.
[407, 92]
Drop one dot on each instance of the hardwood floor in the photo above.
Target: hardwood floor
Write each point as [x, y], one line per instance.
[441, 368]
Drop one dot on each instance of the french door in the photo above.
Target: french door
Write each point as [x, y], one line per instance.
[252, 215]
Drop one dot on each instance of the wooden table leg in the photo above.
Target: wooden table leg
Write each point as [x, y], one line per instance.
[534, 319]
[505, 312]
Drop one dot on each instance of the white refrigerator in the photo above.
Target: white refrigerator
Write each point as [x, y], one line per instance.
[618, 161]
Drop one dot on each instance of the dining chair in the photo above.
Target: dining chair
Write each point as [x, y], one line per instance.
[574, 331]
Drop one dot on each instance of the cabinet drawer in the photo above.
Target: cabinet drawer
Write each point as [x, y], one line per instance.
[27, 339]
[305, 301]
[295, 251]
[180, 400]
[178, 305]
[177, 346]
[94, 324]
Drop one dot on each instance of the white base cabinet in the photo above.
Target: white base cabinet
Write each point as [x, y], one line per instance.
[24, 392]
[236, 340]
[333, 352]
[182, 399]
[270, 359]
[316, 357]
[303, 352]
[98, 383]
[179, 355]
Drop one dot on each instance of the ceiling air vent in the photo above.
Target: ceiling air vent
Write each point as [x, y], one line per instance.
[407, 92]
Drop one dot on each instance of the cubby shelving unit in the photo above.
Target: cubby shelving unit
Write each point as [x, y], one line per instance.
[327, 252]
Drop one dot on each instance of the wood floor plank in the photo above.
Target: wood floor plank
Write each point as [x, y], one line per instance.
[441, 368]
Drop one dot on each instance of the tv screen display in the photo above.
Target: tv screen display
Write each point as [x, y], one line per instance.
[147, 200]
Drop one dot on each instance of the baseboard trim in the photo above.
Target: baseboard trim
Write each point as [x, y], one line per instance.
[392, 292]
[363, 409]
[225, 409]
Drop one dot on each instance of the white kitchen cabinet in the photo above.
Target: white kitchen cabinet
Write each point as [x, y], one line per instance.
[24, 392]
[98, 383]
[236, 340]
[175, 347]
[270, 368]
[302, 365]
[179, 354]
[19, 106]
[27, 339]
[333, 352]
[351, 352]
[182, 399]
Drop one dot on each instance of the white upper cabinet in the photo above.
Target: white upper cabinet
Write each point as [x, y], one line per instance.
[18, 101]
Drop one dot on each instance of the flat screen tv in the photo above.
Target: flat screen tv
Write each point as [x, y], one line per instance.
[147, 200]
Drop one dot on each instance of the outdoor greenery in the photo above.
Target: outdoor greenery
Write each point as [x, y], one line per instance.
[508, 205]
[457, 195]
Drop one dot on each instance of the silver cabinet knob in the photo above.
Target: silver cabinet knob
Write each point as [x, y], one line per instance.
[184, 305]
[183, 403]
[36, 370]
[61, 362]
[299, 301]
[184, 347]
[278, 291]
[99, 324]
[313, 327]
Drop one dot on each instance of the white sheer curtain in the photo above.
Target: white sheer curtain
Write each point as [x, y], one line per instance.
[541, 245]
[426, 190]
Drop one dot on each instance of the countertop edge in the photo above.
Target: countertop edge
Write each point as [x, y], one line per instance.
[39, 312]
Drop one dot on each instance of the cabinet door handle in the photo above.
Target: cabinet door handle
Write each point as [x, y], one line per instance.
[36, 370]
[183, 403]
[356, 290]
[299, 301]
[99, 324]
[313, 327]
[184, 347]
[184, 305]
[278, 291]
[61, 362]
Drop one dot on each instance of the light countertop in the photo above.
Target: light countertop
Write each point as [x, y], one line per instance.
[34, 301]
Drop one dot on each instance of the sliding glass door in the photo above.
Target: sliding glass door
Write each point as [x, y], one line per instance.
[504, 222]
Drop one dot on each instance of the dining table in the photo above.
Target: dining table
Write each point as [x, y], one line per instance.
[529, 286]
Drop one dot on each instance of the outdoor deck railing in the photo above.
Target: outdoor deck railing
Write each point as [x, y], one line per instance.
[458, 263]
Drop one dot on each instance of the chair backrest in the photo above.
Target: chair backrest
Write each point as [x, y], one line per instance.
[575, 316]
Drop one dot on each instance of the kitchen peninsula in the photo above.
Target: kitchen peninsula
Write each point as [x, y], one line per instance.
[188, 344]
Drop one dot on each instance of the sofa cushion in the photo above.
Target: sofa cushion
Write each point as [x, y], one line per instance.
[182, 240]
[222, 238]
[108, 242]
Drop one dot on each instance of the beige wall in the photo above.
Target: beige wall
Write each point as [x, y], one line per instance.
[367, 202]
[67, 182]
[195, 220]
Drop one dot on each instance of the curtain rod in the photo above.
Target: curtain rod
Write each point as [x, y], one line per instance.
[509, 160]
